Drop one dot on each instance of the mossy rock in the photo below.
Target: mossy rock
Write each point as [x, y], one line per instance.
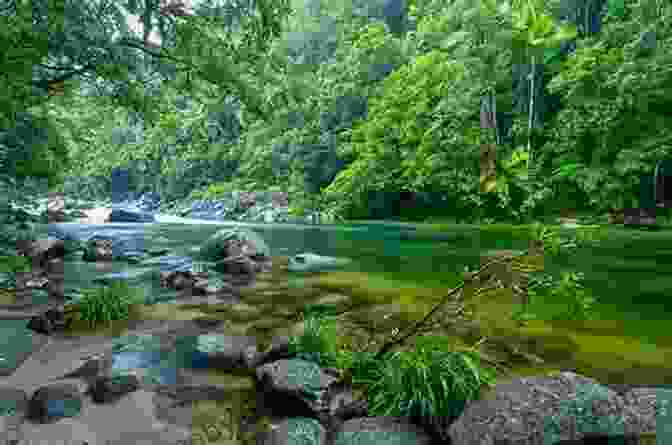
[215, 247]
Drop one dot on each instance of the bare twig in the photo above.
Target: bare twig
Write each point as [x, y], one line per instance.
[415, 328]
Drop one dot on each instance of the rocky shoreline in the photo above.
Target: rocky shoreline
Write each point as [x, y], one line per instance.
[230, 388]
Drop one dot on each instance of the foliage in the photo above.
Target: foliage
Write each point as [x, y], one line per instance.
[317, 344]
[102, 305]
[428, 382]
[396, 146]
[575, 295]
[337, 108]
[567, 292]
[431, 381]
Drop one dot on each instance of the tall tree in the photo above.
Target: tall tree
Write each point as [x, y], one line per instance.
[534, 31]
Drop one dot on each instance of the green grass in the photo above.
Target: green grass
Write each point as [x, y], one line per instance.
[109, 303]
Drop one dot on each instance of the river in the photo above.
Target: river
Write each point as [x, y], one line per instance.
[630, 271]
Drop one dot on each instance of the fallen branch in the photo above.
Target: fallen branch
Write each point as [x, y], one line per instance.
[413, 330]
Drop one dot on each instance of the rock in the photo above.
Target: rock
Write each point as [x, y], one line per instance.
[119, 215]
[106, 389]
[239, 265]
[299, 395]
[98, 249]
[562, 407]
[181, 280]
[53, 402]
[56, 216]
[310, 262]
[654, 404]
[149, 202]
[308, 429]
[13, 401]
[42, 250]
[95, 366]
[639, 217]
[105, 247]
[236, 252]
[370, 430]
[233, 242]
[297, 381]
[48, 322]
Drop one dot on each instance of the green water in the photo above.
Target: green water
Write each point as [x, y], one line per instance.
[15, 340]
[629, 272]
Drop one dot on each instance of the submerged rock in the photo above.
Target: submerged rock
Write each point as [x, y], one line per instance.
[130, 215]
[310, 262]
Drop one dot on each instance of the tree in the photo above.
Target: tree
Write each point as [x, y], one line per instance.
[534, 31]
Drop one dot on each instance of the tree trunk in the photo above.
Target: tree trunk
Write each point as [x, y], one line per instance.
[530, 121]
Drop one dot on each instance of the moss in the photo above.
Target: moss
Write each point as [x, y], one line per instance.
[366, 289]
[7, 296]
[613, 358]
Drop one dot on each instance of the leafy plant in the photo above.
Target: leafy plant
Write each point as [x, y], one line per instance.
[14, 263]
[435, 380]
[317, 343]
[578, 298]
[567, 291]
[109, 303]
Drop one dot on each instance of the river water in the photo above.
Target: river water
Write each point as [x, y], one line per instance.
[630, 271]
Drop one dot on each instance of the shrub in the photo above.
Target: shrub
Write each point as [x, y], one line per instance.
[102, 305]
[317, 343]
[431, 382]
[434, 381]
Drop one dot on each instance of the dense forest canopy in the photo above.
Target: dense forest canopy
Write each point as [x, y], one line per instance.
[474, 108]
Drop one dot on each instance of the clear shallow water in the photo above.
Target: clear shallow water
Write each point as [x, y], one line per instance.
[630, 272]
[15, 340]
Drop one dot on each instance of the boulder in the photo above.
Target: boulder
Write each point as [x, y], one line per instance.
[238, 265]
[310, 262]
[15, 401]
[93, 367]
[127, 215]
[98, 249]
[54, 402]
[639, 217]
[543, 410]
[42, 250]
[231, 243]
[49, 321]
[181, 281]
[149, 202]
[108, 247]
[106, 389]
[303, 399]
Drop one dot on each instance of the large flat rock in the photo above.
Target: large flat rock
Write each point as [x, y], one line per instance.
[130, 420]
